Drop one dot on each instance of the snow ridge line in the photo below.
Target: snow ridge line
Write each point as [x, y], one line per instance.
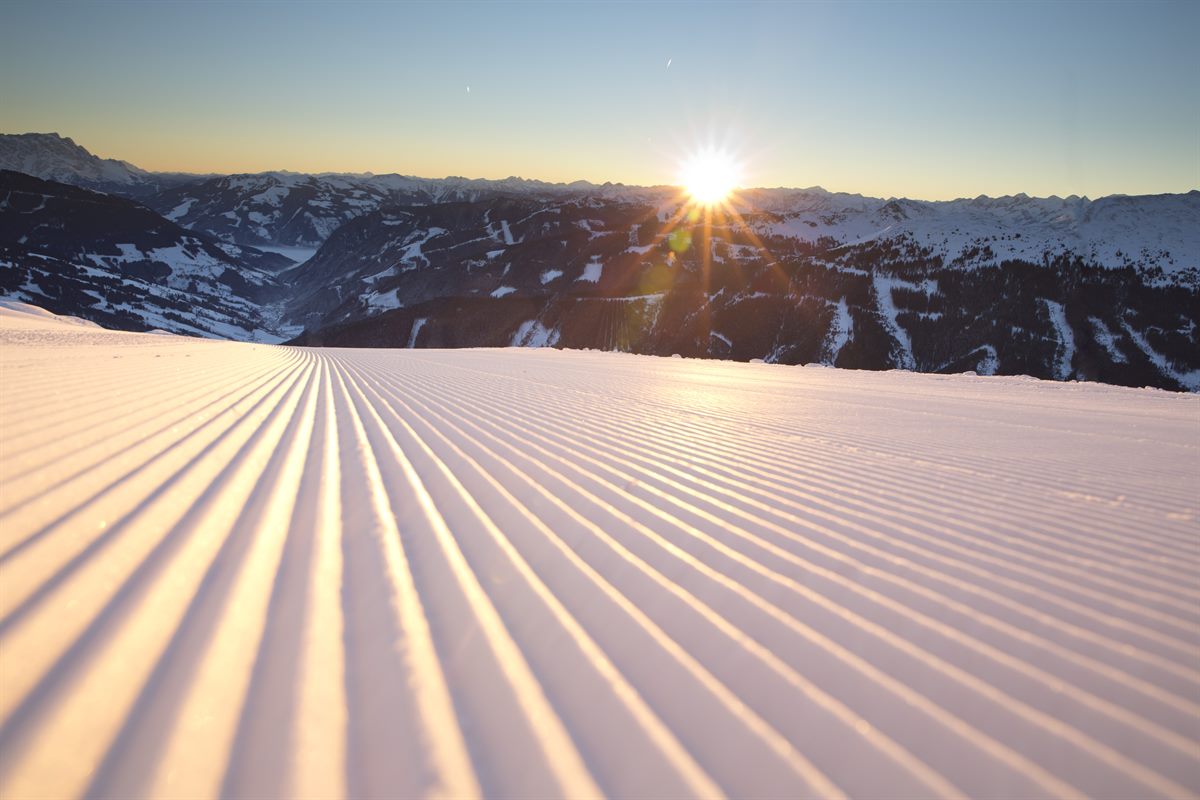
[527, 706]
[105, 498]
[828, 499]
[852, 722]
[92, 430]
[631, 421]
[62, 413]
[99, 466]
[1016, 471]
[692, 779]
[1019, 635]
[1164, 736]
[204, 657]
[245, 571]
[519, 401]
[725, 699]
[297, 684]
[419, 715]
[757, 726]
[75, 667]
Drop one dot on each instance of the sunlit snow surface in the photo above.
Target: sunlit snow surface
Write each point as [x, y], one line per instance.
[248, 570]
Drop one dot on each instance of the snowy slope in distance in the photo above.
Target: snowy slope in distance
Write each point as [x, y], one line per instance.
[246, 570]
[1112, 231]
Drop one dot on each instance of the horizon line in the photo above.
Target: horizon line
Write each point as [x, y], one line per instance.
[591, 183]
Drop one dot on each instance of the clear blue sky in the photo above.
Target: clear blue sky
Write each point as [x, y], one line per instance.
[928, 100]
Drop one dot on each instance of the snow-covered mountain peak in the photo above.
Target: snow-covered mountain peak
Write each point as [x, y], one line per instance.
[53, 157]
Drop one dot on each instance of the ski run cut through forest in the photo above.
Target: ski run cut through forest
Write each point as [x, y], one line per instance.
[245, 570]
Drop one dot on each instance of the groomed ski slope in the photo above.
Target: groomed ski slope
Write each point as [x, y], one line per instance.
[256, 571]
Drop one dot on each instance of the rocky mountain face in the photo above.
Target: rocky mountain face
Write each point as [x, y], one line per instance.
[111, 260]
[58, 158]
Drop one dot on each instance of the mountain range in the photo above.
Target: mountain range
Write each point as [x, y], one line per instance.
[1063, 288]
[114, 261]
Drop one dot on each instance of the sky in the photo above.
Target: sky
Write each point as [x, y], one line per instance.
[929, 100]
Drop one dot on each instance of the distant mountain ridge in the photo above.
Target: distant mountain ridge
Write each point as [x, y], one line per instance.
[1147, 232]
[1105, 289]
[288, 209]
[113, 261]
[52, 157]
[296, 209]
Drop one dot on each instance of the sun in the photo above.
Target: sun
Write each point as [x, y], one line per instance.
[709, 176]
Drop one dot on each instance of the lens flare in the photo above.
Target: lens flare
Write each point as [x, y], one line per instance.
[709, 176]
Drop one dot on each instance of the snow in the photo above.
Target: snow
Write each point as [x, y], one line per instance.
[1066, 339]
[1114, 231]
[415, 241]
[887, 308]
[502, 291]
[274, 195]
[180, 211]
[1189, 379]
[53, 157]
[508, 237]
[418, 323]
[532, 333]
[182, 257]
[841, 332]
[247, 570]
[378, 302]
[1106, 340]
[550, 275]
[591, 272]
[22, 312]
[989, 363]
[129, 252]
[323, 226]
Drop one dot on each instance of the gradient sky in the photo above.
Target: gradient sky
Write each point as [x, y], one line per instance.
[926, 100]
